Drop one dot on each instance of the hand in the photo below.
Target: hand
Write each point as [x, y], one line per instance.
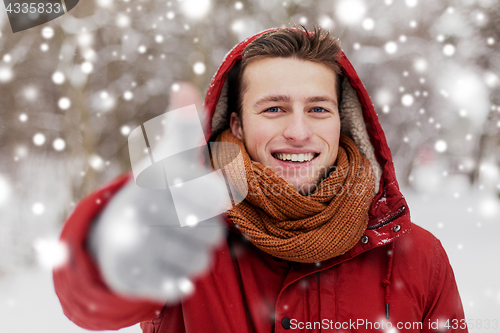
[142, 250]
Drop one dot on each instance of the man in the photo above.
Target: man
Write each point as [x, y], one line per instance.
[323, 240]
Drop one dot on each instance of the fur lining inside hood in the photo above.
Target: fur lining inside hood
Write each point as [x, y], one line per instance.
[358, 120]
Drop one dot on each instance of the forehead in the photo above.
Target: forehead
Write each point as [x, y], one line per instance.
[295, 77]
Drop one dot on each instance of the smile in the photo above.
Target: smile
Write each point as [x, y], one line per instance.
[298, 158]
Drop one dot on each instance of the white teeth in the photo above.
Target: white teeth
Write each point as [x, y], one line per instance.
[295, 157]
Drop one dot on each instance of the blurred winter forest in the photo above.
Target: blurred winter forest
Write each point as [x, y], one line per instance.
[71, 90]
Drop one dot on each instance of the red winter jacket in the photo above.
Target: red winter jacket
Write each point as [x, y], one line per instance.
[397, 269]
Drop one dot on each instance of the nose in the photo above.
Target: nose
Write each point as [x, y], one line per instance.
[297, 128]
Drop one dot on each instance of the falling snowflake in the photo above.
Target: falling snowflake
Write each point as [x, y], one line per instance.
[6, 74]
[122, 20]
[47, 32]
[368, 23]
[350, 11]
[449, 50]
[96, 162]
[59, 144]
[420, 65]
[195, 9]
[125, 130]
[391, 47]
[159, 38]
[128, 95]
[407, 100]
[64, 103]
[440, 146]
[411, 3]
[51, 253]
[191, 220]
[38, 208]
[87, 67]
[58, 77]
[39, 139]
[199, 68]
[104, 3]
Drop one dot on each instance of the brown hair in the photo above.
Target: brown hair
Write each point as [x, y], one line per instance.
[297, 43]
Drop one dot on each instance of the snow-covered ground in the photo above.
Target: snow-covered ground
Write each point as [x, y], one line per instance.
[28, 304]
[463, 220]
[468, 225]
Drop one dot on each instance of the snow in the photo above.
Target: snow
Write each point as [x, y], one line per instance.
[59, 144]
[64, 103]
[29, 304]
[449, 50]
[38, 208]
[5, 189]
[159, 39]
[125, 130]
[87, 67]
[407, 100]
[368, 23]
[440, 146]
[199, 68]
[470, 239]
[6, 74]
[39, 139]
[47, 32]
[391, 47]
[96, 162]
[104, 67]
[195, 9]
[350, 11]
[122, 21]
[23, 117]
[58, 77]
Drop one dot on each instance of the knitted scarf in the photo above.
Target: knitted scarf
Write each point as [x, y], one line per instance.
[280, 221]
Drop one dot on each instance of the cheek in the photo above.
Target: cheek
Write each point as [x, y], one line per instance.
[331, 135]
[256, 140]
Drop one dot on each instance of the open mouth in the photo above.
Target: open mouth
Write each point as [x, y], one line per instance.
[296, 158]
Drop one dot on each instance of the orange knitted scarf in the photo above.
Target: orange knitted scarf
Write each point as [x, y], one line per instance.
[295, 227]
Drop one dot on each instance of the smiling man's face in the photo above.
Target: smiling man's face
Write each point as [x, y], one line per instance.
[290, 118]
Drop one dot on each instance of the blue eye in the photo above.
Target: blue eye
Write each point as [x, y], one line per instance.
[315, 110]
[273, 109]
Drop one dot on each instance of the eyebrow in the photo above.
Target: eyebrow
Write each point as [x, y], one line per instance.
[286, 98]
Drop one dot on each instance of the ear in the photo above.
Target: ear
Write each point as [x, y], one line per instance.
[236, 126]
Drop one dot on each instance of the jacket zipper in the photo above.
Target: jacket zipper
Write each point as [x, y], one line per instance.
[398, 213]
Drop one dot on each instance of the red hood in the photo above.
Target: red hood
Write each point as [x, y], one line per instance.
[389, 214]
